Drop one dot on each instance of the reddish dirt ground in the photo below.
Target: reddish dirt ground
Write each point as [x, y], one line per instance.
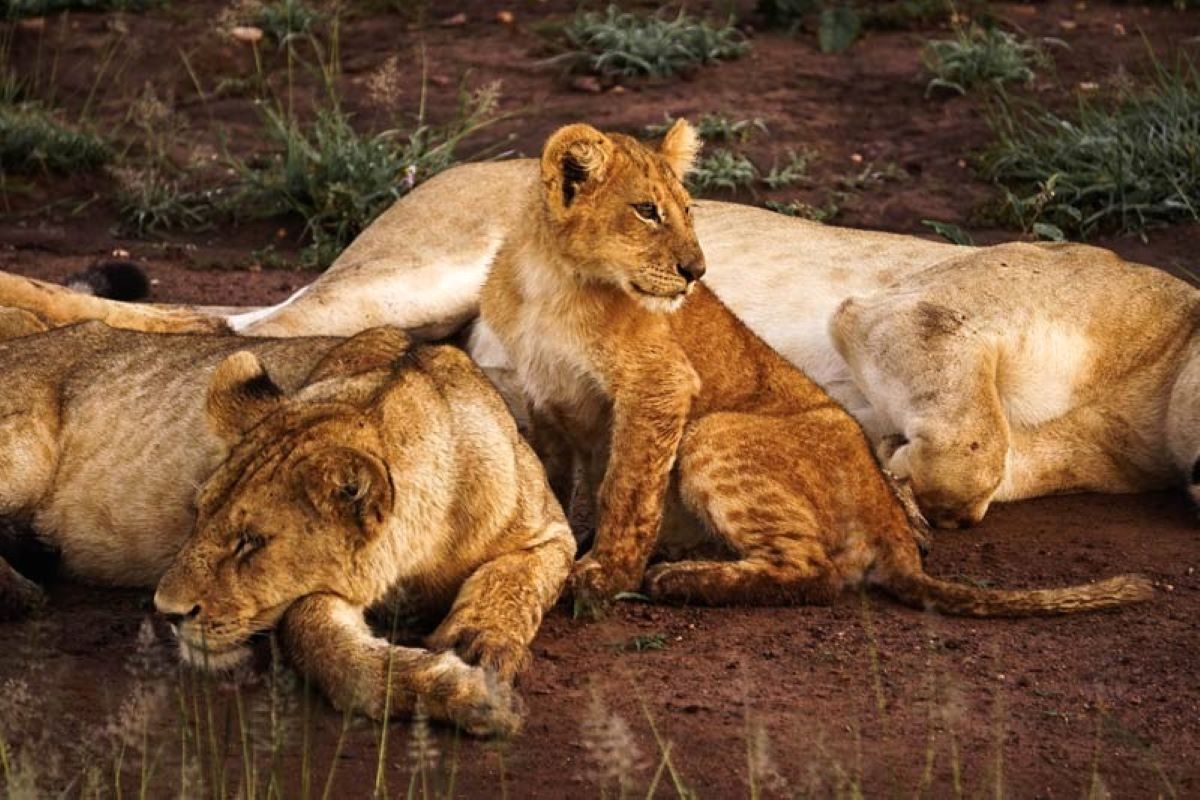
[858, 696]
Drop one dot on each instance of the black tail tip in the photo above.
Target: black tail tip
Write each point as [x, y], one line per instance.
[111, 278]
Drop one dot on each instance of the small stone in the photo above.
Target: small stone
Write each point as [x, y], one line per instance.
[1119, 29]
[1068, 24]
[453, 22]
[857, 158]
[247, 33]
[505, 17]
[1088, 86]
[120, 252]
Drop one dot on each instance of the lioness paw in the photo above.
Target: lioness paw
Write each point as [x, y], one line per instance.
[494, 651]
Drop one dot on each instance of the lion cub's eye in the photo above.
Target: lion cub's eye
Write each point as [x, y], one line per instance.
[247, 543]
[647, 211]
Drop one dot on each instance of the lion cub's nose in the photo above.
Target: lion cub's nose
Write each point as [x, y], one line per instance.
[175, 612]
[691, 272]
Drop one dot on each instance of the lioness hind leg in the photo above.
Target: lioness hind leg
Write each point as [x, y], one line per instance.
[328, 639]
[724, 481]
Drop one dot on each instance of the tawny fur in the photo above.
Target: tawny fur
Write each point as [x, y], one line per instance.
[291, 481]
[846, 306]
[643, 370]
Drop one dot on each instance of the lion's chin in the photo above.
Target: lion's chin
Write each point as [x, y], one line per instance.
[223, 660]
[659, 303]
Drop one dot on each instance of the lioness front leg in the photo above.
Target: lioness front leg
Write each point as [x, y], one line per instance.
[648, 422]
[328, 639]
[499, 608]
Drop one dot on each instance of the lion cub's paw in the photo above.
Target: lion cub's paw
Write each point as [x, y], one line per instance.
[19, 596]
[594, 585]
[502, 655]
[669, 583]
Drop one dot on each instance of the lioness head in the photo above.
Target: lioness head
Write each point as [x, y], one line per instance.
[304, 499]
[621, 213]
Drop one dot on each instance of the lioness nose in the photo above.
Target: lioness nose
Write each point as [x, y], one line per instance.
[173, 611]
[690, 272]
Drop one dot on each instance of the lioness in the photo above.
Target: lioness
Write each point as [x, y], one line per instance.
[867, 315]
[596, 294]
[334, 477]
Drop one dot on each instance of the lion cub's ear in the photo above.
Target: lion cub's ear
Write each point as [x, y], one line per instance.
[574, 159]
[240, 394]
[348, 485]
[680, 147]
[373, 349]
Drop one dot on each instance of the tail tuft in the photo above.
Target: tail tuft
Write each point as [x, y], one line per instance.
[114, 279]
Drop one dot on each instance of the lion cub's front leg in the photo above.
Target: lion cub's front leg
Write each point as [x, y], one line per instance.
[327, 638]
[500, 607]
[648, 420]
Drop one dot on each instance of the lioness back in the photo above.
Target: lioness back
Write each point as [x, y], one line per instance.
[124, 442]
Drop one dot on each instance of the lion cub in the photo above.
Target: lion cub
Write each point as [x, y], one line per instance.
[334, 476]
[647, 376]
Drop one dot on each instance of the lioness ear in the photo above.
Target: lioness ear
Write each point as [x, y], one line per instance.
[348, 485]
[240, 394]
[575, 158]
[680, 147]
[374, 348]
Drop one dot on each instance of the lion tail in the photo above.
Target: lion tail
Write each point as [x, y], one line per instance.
[915, 588]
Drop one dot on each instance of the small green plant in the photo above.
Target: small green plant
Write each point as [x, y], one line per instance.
[792, 171]
[715, 127]
[803, 210]
[616, 44]
[286, 18]
[149, 202]
[722, 169]
[838, 25]
[872, 175]
[949, 231]
[643, 642]
[339, 179]
[981, 57]
[32, 139]
[1125, 165]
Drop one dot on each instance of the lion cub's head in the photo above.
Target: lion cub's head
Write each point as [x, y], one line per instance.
[307, 500]
[620, 212]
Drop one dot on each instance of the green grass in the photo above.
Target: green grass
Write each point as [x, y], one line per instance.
[285, 18]
[722, 169]
[32, 139]
[982, 57]
[839, 23]
[794, 170]
[716, 127]
[1123, 165]
[338, 178]
[616, 44]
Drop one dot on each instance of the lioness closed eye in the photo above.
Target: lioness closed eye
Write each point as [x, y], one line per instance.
[336, 475]
[627, 356]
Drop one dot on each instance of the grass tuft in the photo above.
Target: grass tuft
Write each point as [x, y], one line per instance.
[339, 179]
[619, 44]
[286, 18]
[981, 57]
[31, 139]
[722, 169]
[1121, 166]
[716, 127]
[792, 171]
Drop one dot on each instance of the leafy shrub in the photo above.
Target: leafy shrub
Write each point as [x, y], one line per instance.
[285, 18]
[715, 127]
[1121, 166]
[338, 179]
[792, 171]
[722, 169]
[619, 44]
[32, 139]
[978, 56]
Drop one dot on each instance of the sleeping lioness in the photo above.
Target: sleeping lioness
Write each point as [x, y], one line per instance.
[1057, 367]
[333, 477]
